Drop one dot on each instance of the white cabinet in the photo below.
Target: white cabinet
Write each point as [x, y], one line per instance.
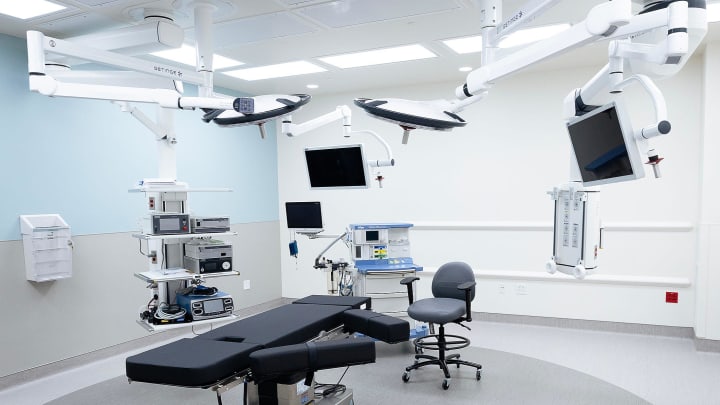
[47, 247]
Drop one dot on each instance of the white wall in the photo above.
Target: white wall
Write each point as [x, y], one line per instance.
[708, 276]
[478, 194]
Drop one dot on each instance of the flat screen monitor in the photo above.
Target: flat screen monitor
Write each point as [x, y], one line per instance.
[304, 216]
[604, 146]
[337, 167]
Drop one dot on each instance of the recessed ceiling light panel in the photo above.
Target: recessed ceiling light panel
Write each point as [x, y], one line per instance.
[529, 35]
[186, 55]
[713, 12]
[379, 56]
[275, 71]
[27, 9]
[465, 44]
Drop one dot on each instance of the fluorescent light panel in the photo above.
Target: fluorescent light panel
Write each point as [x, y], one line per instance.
[26, 9]
[379, 56]
[465, 44]
[273, 71]
[713, 12]
[186, 55]
[529, 35]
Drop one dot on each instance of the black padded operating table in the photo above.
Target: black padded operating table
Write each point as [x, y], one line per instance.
[274, 345]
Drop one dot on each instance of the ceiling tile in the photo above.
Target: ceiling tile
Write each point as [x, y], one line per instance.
[344, 13]
[257, 28]
[78, 24]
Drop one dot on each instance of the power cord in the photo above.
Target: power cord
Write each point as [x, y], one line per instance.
[169, 312]
[324, 390]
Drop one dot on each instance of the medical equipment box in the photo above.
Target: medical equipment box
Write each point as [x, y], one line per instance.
[200, 306]
[207, 266]
[212, 249]
[209, 224]
[166, 224]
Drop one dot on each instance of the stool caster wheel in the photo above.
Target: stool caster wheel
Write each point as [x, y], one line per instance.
[406, 376]
[478, 375]
[446, 384]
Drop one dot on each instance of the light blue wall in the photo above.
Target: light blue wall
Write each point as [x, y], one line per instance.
[78, 158]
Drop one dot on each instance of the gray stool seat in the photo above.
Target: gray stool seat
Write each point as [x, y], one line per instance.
[437, 310]
[453, 289]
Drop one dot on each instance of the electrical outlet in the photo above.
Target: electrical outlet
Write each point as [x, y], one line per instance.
[153, 257]
[246, 284]
[501, 289]
[521, 289]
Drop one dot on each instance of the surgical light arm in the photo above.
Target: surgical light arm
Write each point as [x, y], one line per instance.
[343, 113]
[42, 81]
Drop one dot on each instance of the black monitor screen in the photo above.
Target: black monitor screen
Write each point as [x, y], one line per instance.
[304, 215]
[599, 146]
[336, 167]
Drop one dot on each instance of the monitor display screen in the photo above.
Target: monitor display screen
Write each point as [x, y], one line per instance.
[304, 215]
[603, 152]
[337, 167]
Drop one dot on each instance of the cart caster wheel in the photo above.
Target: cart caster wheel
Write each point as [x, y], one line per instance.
[446, 384]
[406, 376]
[478, 375]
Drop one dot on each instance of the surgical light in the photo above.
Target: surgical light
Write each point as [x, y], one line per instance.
[186, 55]
[379, 56]
[465, 44]
[278, 70]
[27, 9]
[530, 35]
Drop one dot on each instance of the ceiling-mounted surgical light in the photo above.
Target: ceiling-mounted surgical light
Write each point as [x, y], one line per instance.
[257, 110]
[434, 115]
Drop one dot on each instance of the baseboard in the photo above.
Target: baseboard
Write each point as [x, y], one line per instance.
[156, 338]
[604, 326]
[707, 345]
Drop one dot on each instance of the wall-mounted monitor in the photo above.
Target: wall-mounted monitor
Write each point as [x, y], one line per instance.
[304, 216]
[604, 146]
[337, 167]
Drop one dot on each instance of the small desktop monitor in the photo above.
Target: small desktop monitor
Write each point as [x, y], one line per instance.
[604, 146]
[337, 167]
[304, 216]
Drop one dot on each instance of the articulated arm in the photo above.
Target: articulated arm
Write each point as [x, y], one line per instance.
[343, 113]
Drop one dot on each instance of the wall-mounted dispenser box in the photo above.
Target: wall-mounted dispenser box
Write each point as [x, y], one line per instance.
[47, 246]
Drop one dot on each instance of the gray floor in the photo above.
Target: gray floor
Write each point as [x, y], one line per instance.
[660, 370]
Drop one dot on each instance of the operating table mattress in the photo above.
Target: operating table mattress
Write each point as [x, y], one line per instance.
[224, 352]
[285, 325]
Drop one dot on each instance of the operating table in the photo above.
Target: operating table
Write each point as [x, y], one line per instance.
[282, 345]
